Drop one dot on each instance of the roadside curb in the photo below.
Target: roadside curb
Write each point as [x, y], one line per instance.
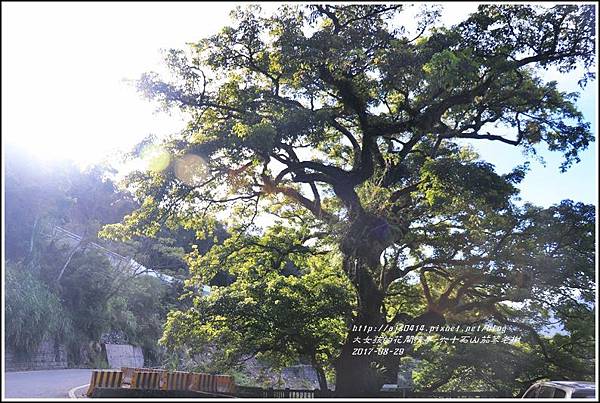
[72, 391]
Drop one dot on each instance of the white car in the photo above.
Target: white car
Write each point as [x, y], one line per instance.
[561, 389]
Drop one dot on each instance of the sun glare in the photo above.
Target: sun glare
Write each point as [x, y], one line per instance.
[63, 71]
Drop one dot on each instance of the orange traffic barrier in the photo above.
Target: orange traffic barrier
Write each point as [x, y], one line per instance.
[212, 383]
[146, 380]
[177, 380]
[149, 378]
[128, 373]
[224, 384]
[104, 379]
[203, 382]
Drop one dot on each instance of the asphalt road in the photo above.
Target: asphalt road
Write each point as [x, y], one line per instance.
[52, 383]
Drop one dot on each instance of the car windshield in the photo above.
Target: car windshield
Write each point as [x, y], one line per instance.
[589, 393]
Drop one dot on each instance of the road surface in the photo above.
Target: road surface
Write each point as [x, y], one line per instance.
[52, 383]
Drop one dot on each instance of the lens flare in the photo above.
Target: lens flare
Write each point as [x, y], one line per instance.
[156, 158]
[191, 169]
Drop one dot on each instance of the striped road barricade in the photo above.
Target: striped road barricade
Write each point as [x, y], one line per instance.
[127, 375]
[203, 382]
[104, 379]
[146, 379]
[224, 384]
[177, 380]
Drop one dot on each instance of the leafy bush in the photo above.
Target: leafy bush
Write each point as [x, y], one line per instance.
[33, 311]
[139, 312]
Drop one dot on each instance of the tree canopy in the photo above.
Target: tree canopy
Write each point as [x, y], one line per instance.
[345, 125]
[68, 291]
[286, 303]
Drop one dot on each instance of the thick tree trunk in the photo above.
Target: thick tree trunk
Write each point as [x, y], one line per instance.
[391, 362]
[356, 375]
[356, 369]
[320, 374]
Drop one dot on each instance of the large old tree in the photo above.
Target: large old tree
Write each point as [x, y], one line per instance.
[344, 121]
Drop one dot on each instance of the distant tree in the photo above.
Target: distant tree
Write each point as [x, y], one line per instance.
[35, 199]
[270, 310]
[339, 111]
[42, 194]
[139, 312]
[68, 290]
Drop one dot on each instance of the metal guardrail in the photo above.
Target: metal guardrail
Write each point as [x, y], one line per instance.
[256, 392]
[136, 267]
[78, 238]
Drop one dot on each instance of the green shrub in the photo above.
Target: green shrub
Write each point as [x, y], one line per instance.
[33, 311]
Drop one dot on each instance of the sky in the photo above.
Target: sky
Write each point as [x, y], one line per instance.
[64, 93]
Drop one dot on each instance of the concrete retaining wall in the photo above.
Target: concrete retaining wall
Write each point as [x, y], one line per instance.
[49, 355]
[124, 355]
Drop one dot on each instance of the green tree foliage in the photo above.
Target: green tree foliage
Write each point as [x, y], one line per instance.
[69, 291]
[85, 291]
[340, 121]
[42, 194]
[139, 312]
[286, 303]
[33, 312]
[508, 369]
